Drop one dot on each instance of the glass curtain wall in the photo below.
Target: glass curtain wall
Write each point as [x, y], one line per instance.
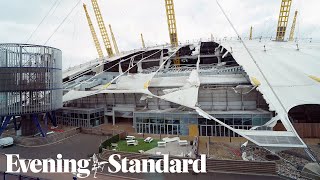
[178, 124]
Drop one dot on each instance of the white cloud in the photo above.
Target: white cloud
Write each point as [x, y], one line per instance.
[195, 19]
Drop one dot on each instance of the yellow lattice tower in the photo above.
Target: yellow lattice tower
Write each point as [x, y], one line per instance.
[283, 19]
[293, 26]
[102, 28]
[93, 33]
[142, 40]
[250, 37]
[114, 41]
[171, 18]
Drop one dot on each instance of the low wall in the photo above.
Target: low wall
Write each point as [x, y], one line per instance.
[214, 165]
[96, 132]
[103, 132]
[40, 141]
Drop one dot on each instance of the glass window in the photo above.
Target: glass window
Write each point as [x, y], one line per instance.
[209, 130]
[159, 116]
[153, 120]
[211, 122]
[213, 130]
[202, 121]
[247, 121]
[226, 132]
[169, 129]
[228, 121]
[163, 129]
[218, 130]
[160, 121]
[264, 120]
[202, 130]
[168, 117]
[145, 120]
[146, 128]
[138, 119]
[169, 121]
[256, 121]
[92, 122]
[152, 129]
[222, 133]
[193, 120]
[237, 121]
[176, 122]
[175, 129]
[140, 128]
[184, 121]
[175, 116]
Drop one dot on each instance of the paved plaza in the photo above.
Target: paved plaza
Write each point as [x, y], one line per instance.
[173, 149]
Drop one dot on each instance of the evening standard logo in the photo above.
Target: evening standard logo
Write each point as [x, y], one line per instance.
[114, 164]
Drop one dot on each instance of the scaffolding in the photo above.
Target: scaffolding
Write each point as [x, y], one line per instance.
[30, 79]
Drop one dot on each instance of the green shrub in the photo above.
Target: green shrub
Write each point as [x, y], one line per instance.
[107, 143]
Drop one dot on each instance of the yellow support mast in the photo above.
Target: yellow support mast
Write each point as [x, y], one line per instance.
[293, 26]
[283, 19]
[102, 28]
[114, 41]
[93, 33]
[142, 40]
[171, 18]
[250, 37]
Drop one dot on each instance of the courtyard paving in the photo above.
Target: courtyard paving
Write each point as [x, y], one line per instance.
[77, 147]
[172, 148]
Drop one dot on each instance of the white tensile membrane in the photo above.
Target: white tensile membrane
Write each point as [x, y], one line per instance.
[187, 95]
[137, 81]
[190, 89]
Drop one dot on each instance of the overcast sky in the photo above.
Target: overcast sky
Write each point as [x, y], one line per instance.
[195, 19]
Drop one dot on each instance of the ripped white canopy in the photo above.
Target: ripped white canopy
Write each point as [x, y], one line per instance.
[291, 72]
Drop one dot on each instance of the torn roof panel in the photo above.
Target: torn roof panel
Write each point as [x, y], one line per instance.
[287, 69]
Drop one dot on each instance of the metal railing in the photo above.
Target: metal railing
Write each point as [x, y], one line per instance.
[5, 176]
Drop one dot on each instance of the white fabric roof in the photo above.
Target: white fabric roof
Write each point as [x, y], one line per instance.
[286, 68]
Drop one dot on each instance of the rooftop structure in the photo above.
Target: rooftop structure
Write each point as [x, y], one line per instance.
[214, 80]
[227, 88]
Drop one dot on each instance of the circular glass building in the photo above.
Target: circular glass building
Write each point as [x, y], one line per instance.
[30, 79]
